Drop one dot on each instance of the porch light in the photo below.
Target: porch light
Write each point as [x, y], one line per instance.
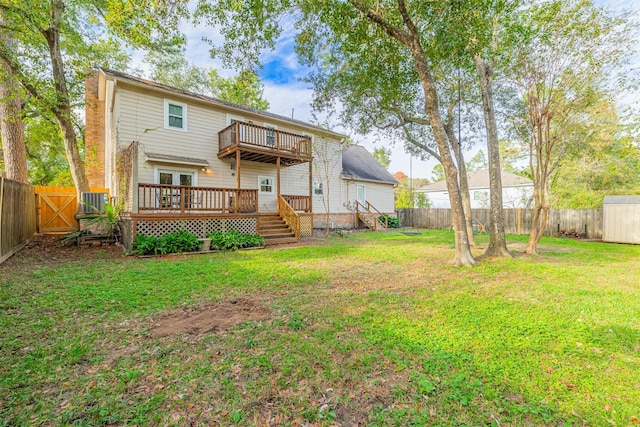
[233, 167]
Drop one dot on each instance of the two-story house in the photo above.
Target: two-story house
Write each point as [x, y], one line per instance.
[177, 159]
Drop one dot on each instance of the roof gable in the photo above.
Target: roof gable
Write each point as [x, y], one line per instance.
[358, 163]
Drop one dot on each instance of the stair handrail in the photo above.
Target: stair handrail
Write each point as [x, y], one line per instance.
[290, 216]
[368, 209]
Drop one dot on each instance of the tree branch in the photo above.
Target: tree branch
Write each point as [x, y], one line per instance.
[376, 18]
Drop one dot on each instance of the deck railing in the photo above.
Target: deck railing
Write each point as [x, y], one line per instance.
[369, 213]
[290, 217]
[160, 198]
[298, 203]
[240, 133]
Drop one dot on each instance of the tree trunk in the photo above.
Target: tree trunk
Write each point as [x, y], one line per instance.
[464, 178]
[497, 240]
[11, 131]
[410, 37]
[62, 107]
[463, 254]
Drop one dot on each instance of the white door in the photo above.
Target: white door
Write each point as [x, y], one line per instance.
[175, 177]
[361, 195]
[172, 198]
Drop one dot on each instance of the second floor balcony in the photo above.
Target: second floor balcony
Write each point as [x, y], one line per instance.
[264, 144]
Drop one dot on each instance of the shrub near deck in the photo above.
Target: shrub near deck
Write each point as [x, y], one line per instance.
[376, 328]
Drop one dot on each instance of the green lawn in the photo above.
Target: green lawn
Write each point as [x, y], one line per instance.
[375, 328]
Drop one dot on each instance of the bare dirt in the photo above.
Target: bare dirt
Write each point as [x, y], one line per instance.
[49, 249]
[213, 317]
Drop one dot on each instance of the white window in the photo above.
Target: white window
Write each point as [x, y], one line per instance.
[361, 195]
[318, 188]
[175, 115]
[476, 195]
[231, 119]
[270, 135]
[176, 176]
[265, 184]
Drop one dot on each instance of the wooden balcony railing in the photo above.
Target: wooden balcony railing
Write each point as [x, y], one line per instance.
[299, 203]
[250, 135]
[182, 199]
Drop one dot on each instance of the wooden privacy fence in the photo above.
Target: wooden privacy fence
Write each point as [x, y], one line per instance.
[57, 207]
[587, 222]
[17, 216]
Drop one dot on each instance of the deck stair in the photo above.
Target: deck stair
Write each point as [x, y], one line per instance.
[275, 231]
[370, 216]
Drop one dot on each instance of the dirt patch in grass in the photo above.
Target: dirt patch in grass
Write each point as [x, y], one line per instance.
[213, 317]
[49, 249]
[521, 247]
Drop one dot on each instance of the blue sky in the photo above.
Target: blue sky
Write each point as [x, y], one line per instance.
[288, 95]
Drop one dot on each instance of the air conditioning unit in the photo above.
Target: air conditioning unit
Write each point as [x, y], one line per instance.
[94, 202]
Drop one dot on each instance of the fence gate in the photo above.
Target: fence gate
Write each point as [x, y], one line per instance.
[57, 207]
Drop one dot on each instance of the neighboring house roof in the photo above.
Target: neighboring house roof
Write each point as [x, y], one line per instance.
[214, 101]
[480, 179]
[358, 163]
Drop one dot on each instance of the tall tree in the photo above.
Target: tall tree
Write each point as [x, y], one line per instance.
[58, 39]
[173, 69]
[11, 131]
[558, 64]
[351, 37]
[604, 162]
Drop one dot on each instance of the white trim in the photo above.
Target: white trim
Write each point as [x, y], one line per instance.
[234, 117]
[166, 115]
[157, 169]
[273, 184]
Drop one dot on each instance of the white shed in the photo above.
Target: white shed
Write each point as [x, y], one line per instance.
[621, 219]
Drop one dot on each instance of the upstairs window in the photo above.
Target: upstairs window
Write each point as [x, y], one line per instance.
[175, 115]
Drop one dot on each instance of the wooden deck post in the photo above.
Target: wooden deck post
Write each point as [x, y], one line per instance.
[278, 177]
[311, 186]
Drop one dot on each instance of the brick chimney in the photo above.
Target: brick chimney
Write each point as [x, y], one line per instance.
[94, 132]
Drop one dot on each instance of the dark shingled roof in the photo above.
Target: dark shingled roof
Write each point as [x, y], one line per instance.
[211, 100]
[358, 163]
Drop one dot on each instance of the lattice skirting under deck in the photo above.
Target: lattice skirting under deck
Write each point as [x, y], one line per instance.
[200, 227]
[306, 225]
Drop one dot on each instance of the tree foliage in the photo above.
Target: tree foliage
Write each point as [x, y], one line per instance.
[559, 65]
[58, 40]
[383, 156]
[173, 69]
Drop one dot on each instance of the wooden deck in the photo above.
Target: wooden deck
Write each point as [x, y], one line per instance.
[182, 201]
[175, 199]
[263, 144]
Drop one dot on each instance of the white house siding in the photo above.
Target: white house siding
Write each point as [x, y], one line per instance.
[138, 115]
[512, 197]
[328, 163]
